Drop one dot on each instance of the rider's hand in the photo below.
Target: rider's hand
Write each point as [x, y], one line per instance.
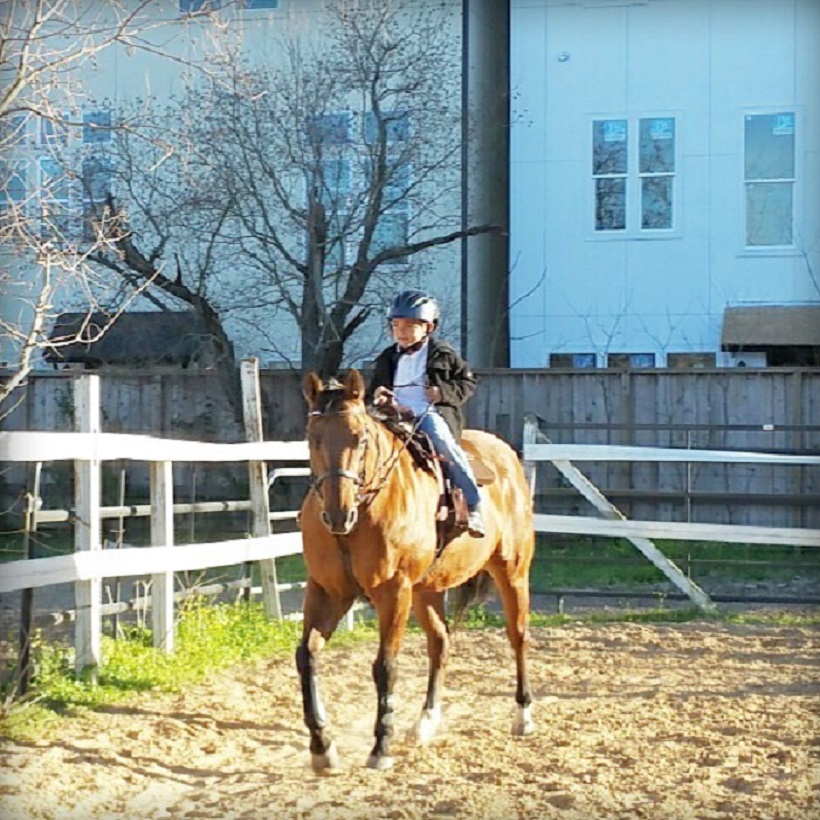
[433, 394]
[383, 395]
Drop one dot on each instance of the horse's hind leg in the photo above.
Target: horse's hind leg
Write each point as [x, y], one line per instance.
[428, 607]
[322, 614]
[513, 589]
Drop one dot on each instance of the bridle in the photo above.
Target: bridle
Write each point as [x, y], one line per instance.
[363, 496]
[360, 478]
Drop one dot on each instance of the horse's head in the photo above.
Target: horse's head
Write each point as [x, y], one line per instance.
[337, 438]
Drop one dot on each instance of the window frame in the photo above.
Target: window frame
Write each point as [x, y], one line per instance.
[790, 249]
[634, 180]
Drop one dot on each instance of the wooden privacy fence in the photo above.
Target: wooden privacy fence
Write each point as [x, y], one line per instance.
[88, 448]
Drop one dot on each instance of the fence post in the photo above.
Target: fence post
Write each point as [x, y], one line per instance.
[258, 480]
[87, 528]
[532, 435]
[162, 534]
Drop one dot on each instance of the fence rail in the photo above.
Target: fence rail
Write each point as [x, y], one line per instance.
[88, 448]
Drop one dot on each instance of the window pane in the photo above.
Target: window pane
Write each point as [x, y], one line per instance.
[657, 149]
[261, 4]
[53, 132]
[609, 147]
[656, 202]
[12, 131]
[329, 129]
[335, 182]
[770, 146]
[396, 123]
[53, 181]
[193, 6]
[12, 183]
[336, 242]
[96, 179]
[769, 213]
[610, 204]
[97, 126]
[397, 182]
[390, 232]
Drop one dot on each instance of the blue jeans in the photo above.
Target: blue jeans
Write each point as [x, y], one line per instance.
[458, 467]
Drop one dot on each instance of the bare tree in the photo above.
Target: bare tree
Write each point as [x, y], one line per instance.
[335, 169]
[45, 47]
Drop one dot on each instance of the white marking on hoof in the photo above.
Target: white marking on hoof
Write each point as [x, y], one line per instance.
[327, 763]
[425, 727]
[382, 763]
[523, 724]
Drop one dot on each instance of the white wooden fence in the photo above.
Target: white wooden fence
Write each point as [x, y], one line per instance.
[89, 564]
[538, 448]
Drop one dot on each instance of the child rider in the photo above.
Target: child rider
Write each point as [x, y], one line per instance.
[426, 375]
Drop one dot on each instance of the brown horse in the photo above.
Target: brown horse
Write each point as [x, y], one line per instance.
[369, 528]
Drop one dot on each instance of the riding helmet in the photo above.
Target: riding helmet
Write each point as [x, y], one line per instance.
[414, 304]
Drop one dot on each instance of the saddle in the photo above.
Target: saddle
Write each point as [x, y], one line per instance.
[451, 516]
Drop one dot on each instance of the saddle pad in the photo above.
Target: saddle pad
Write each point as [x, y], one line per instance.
[483, 474]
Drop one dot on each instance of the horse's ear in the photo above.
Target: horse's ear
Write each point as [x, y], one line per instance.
[311, 387]
[354, 384]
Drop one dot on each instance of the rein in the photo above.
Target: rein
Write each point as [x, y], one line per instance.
[365, 496]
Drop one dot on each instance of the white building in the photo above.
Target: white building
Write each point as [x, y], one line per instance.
[653, 167]
[171, 39]
[664, 168]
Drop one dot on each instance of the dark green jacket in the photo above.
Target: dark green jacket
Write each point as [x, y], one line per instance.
[445, 370]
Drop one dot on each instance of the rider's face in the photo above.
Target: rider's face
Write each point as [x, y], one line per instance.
[407, 332]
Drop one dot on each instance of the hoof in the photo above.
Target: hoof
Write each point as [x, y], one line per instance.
[425, 728]
[523, 724]
[380, 762]
[327, 763]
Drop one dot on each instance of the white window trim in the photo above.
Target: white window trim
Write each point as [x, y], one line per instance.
[757, 251]
[633, 230]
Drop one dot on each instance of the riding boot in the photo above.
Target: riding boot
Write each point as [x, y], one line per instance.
[475, 521]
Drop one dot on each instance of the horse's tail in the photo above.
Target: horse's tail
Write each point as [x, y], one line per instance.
[471, 593]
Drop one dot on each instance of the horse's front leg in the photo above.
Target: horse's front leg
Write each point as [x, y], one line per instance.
[322, 614]
[428, 607]
[392, 602]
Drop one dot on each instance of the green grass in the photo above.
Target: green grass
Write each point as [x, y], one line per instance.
[600, 562]
[208, 639]
[216, 638]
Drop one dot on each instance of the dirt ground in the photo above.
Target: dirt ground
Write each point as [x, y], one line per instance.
[698, 720]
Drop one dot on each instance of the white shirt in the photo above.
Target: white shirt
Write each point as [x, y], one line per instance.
[410, 381]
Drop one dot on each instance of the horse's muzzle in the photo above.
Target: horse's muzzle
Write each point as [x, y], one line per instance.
[340, 522]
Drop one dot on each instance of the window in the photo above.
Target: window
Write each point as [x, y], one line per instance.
[391, 232]
[690, 361]
[631, 360]
[656, 156]
[769, 176]
[609, 167]
[97, 184]
[12, 186]
[54, 203]
[396, 183]
[577, 361]
[53, 132]
[12, 131]
[197, 6]
[633, 172]
[259, 4]
[396, 123]
[96, 127]
[329, 129]
[335, 183]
